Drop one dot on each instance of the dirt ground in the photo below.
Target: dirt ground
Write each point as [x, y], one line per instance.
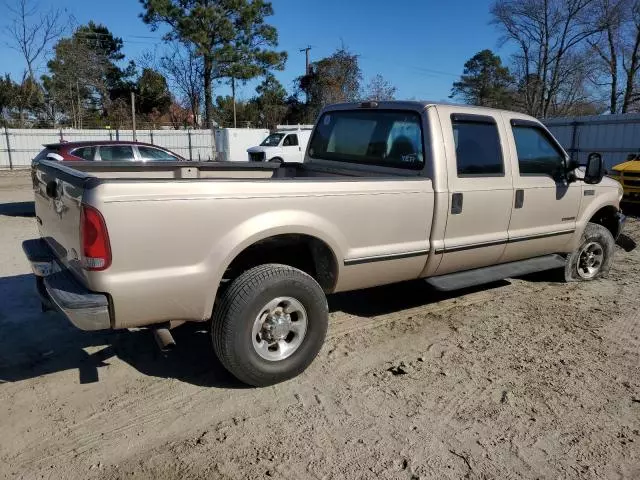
[530, 378]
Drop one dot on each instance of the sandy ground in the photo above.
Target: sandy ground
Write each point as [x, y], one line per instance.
[529, 378]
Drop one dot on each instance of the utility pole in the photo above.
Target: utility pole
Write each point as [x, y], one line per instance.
[233, 95]
[133, 114]
[306, 51]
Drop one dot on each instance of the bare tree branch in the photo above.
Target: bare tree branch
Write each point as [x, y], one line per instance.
[32, 33]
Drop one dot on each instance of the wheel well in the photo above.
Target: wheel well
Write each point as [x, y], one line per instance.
[303, 252]
[606, 217]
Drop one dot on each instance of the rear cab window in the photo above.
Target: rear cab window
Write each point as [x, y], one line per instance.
[388, 138]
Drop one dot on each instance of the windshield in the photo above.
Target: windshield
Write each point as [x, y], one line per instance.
[391, 138]
[272, 140]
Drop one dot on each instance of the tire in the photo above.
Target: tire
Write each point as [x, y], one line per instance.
[242, 349]
[276, 160]
[597, 245]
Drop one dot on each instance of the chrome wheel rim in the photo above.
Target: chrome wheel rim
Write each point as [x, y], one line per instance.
[590, 260]
[279, 329]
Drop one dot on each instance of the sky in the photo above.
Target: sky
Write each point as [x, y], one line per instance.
[420, 46]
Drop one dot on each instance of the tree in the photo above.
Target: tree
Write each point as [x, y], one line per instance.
[31, 31]
[246, 112]
[179, 116]
[484, 82]
[154, 98]
[617, 51]
[231, 36]
[549, 35]
[631, 62]
[85, 78]
[8, 96]
[271, 102]
[28, 98]
[379, 89]
[105, 53]
[333, 79]
[184, 70]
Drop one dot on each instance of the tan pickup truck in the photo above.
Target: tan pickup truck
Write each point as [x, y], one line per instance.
[388, 192]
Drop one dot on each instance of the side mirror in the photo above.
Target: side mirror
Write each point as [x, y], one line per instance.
[594, 172]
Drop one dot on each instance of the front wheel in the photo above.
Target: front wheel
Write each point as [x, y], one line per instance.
[269, 324]
[593, 258]
[276, 160]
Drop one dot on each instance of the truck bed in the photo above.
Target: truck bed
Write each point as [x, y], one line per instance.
[174, 229]
[203, 170]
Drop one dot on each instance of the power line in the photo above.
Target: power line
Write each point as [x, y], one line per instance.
[416, 68]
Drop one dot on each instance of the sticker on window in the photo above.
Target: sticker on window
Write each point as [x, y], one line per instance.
[327, 119]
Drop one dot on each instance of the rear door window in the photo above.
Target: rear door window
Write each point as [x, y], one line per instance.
[116, 153]
[390, 138]
[155, 154]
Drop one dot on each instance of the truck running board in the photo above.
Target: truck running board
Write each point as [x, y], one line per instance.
[479, 276]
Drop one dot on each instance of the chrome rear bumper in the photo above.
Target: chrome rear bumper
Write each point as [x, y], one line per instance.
[59, 289]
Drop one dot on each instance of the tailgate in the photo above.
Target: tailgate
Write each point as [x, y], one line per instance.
[58, 199]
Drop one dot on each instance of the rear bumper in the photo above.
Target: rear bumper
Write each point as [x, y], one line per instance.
[59, 289]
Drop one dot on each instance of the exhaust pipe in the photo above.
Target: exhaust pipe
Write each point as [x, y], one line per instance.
[164, 339]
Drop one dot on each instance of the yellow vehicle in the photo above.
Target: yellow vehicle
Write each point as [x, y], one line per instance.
[628, 174]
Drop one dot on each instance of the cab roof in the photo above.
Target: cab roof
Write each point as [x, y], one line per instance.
[417, 105]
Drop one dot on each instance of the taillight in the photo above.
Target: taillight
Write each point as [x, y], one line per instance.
[96, 251]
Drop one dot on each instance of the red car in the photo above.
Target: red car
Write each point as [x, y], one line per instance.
[107, 151]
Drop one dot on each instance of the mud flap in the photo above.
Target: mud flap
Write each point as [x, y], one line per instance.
[625, 242]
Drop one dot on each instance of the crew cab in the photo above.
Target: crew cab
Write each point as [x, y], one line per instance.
[388, 192]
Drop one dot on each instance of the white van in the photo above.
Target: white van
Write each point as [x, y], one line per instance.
[282, 146]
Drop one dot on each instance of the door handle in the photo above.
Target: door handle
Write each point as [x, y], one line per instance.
[456, 203]
[519, 198]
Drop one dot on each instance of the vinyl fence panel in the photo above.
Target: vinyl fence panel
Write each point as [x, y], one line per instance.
[614, 136]
[19, 146]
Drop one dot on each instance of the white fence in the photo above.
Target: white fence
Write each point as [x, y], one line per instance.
[614, 136]
[19, 146]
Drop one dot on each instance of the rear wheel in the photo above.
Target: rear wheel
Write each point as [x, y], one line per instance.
[276, 160]
[593, 258]
[269, 324]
